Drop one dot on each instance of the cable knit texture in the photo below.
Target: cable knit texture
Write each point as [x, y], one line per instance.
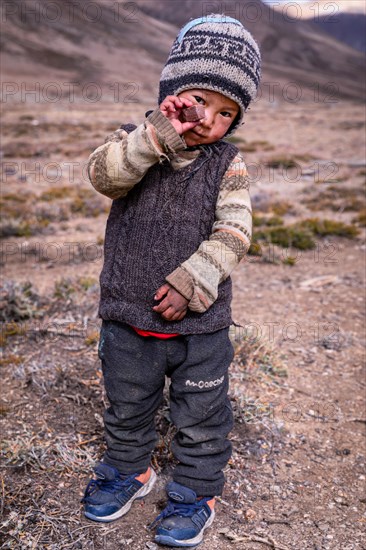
[154, 229]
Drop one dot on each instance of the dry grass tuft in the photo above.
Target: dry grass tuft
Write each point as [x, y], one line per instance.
[300, 235]
[324, 228]
[55, 193]
[361, 218]
[18, 301]
[294, 236]
[259, 221]
[282, 162]
[25, 215]
[337, 199]
[277, 208]
[252, 146]
[255, 362]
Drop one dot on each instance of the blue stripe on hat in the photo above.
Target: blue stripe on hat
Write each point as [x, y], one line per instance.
[208, 19]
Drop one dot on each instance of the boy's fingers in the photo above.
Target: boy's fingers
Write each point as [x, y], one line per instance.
[167, 108]
[160, 308]
[169, 313]
[172, 102]
[178, 316]
[186, 102]
[189, 125]
[161, 291]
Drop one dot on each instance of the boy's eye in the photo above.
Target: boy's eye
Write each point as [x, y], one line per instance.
[199, 99]
[226, 114]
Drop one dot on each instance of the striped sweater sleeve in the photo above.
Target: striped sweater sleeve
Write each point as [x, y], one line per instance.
[199, 276]
[123, 160]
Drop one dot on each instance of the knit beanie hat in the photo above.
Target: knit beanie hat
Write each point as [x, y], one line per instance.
[215, 53]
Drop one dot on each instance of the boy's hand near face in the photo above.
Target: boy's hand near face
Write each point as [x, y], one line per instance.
[174, 306]
[172, 108]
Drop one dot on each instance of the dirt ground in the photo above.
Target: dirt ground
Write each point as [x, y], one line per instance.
[296, 479]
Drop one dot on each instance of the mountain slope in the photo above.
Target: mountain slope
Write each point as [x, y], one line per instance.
[320, 8]
[344, 20]
[349, 28]
[292, 50]
[69, 43]
[107, 42]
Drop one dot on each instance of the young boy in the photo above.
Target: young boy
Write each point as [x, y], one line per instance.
[180, 222]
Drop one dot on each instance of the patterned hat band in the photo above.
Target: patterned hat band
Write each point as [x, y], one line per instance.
[214, 53]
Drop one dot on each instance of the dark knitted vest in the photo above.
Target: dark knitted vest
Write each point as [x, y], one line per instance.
[158, 225]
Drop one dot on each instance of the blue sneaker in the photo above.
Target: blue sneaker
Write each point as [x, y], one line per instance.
[184, 520]
[110, 495]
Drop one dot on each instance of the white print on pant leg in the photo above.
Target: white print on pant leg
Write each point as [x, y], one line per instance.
[203, 384]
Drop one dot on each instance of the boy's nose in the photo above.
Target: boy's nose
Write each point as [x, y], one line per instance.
[208, 120]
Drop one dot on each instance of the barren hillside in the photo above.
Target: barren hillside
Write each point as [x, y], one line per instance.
[292, 50]
[107, 43]
[344, 20]
[308, 9]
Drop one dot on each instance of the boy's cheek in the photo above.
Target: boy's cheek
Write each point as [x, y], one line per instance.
[190, 138]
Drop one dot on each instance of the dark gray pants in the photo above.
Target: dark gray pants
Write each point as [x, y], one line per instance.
[134, 369]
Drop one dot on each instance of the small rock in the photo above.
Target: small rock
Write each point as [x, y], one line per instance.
[250, 514]
[341, 500]
[151, 546]
[343, 452]
[320, 281]
[323, 526]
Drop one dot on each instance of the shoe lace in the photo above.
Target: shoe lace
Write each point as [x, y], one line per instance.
[108, 486]
[180, 509]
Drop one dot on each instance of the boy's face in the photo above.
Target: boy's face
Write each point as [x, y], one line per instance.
[220, 114]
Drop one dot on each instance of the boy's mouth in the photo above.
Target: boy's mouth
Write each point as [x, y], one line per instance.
[194, 131]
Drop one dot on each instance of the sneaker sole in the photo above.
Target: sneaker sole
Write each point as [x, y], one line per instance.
[169, 541]
[142, 492]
